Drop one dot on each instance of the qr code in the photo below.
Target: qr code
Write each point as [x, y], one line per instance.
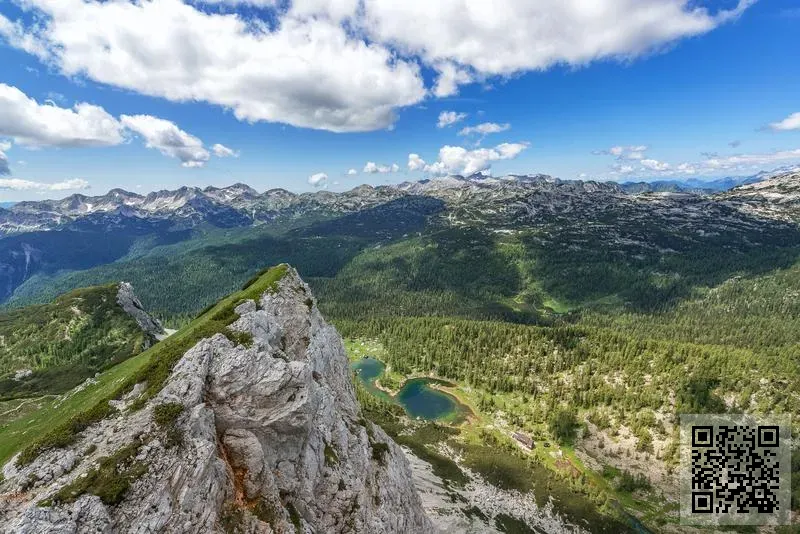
[735, 469]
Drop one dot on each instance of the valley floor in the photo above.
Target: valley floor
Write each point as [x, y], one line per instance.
[475, 477]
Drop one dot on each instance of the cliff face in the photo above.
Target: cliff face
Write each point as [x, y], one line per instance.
[259, 436]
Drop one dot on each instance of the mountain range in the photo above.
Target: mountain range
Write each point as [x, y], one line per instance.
[59, 236]
[241, 205]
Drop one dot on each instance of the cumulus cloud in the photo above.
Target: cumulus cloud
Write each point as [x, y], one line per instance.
[450, 77]
[630, 152]
[792, 122]
[32, 124]
[741, 160]
[459, 160]
[622, 168]
[4, 168]
[713, 164]
[344, 65]
[447, 118]
[15, 184]
[167, 138]
[485, 129]
[221, 151]
[415, 163]
[352, 172]
[505, 37]
[306, 71]
[655, 165]
[372, 168]
[318, 180]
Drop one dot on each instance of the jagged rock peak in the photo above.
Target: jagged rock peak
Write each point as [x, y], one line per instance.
[129, 302]
[265, 435]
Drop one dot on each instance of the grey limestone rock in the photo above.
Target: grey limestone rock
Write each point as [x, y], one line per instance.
[130, 303]
[272, 441]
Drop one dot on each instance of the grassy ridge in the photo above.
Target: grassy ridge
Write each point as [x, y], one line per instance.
[65, 341]
[64, 421]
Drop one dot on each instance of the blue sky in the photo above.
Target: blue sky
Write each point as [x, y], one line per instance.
[693, 94]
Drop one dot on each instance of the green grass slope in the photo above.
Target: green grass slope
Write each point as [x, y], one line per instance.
[59, 420]
[64, 342]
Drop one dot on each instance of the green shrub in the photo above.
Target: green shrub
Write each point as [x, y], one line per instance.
[644, 441]
[165, 415]
[110, 480]
[331, 458]
[265, 512]
[630, 483]
[240, 338]
[379, 451]
[294, 516]
[562, 424]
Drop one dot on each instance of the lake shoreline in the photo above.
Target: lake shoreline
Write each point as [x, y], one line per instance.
[457, 412]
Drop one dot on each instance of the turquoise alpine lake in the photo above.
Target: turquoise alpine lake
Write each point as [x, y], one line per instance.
[420, 400]
[417, 397]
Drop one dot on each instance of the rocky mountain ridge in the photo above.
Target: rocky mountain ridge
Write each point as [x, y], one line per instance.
[262, 434]
[777, 197]
[241, 205]
[50, 237]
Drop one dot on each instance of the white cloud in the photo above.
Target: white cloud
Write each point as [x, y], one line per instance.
[712, 165]
[622, 168]
[305, 71]
[415, 163]
[167, 138]
[450, 77]
[630, 152]
[32, 124]
[318, 180]
[792, 122]
[259, 3]
[352, 172]
[221, 151]
[655, 165]
[485, 128]
[372, 168]
[459, 160]
[4, 168]
[446, 118]
[343, 65]
[15, 184]
[505, 37]
[738, 160]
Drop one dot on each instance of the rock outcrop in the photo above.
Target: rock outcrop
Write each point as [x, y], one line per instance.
[264, 436]
[130, 303]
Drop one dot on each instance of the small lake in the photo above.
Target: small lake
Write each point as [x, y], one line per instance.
[417, 396]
